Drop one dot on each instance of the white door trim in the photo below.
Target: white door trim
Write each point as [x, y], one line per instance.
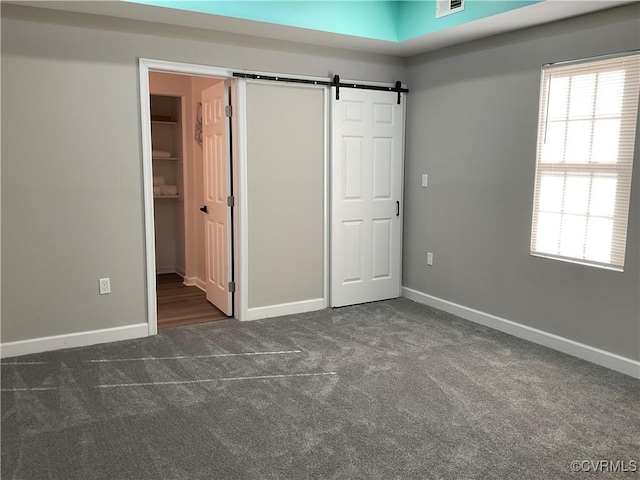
[147, 191]
[146, 65]
[240, 224]
[327, 196]
[185, 68]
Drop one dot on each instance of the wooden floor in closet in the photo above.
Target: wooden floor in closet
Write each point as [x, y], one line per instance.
[179, 305]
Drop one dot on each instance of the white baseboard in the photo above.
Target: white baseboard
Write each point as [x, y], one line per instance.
[564, 345]
[195, 282]
[181, 272]
[285, 309]
[72, 340]
[161, 270]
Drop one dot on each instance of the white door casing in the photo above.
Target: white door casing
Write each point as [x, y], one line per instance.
[215, 144]
[367, 135]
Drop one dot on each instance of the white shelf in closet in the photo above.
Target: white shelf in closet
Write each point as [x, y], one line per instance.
[168, 155]
[163, 122]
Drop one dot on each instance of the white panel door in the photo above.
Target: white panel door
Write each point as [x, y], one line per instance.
[366, 215]
[215, 136]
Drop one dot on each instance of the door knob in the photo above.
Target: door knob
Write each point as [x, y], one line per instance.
[204, 209]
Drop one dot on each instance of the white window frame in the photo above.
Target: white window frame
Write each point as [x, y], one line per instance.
[621, 169]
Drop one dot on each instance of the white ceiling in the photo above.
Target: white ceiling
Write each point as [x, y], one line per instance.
[537, 14]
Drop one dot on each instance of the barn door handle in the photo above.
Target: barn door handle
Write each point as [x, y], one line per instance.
[204, 209]
[397, 208]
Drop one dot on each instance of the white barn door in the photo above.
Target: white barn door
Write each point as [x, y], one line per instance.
[366, 210]
[215, 133]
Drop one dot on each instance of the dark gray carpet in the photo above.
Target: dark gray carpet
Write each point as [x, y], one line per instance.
[416, 394]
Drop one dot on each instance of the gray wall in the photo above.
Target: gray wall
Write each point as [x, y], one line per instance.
[72, 207]
[285, 186]
[72, 188]
[472, 117]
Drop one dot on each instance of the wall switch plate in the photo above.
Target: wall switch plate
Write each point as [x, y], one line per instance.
[424, 179]
[105, 286]
[429, 258]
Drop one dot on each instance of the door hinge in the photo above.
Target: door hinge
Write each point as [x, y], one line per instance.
[232, 287]
[231, 201]
[228, 111]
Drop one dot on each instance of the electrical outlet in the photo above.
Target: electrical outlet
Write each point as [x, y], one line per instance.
[429, 258]
[424, 179]
[105, 286]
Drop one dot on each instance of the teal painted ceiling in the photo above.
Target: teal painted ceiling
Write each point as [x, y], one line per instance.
[388, 20]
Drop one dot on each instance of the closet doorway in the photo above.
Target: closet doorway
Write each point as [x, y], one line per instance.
[192, 211]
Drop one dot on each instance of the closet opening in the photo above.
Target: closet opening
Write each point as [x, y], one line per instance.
[190, 128]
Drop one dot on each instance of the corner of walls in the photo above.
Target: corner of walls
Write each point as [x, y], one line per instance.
[471, 127]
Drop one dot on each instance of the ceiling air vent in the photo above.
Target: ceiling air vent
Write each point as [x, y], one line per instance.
[447, 7]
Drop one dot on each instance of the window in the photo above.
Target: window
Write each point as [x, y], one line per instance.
[586, 136]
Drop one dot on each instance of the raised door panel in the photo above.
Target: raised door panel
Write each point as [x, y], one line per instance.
[216, 161]
[367, 137]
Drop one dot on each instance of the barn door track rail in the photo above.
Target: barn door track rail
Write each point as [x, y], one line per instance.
[338, 84]
[334, 83]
